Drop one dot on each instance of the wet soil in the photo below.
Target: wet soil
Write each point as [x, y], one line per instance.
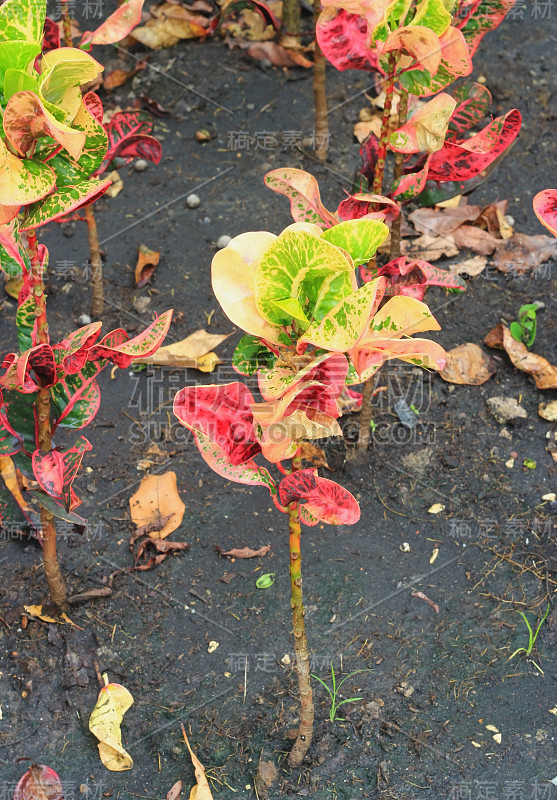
[430, 682]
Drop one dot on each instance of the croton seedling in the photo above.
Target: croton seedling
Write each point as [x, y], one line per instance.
[310, 332]
[54, 142]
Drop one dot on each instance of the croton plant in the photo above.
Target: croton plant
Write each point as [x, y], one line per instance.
[310, 333]
[53, 141]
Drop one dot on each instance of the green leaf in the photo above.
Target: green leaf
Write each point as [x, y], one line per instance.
[17, 80]
[250, 355]
[16, 55]
[57, 509]
[301, 266]
[292, 308]
[96, 140]
[530, 463]
[265, 581]
[516, 331]
[22, 20]
[64, 200]
[25, 324]
[359, 237]
[76, 398]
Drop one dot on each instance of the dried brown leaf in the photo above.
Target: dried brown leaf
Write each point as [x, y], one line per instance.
[443, 222]
[193, 351]
[544, 373]
[244, 552]
[470, 266]
[473, 238]
[146, 263]
[430, 248]
[467, 364]
[278, 56]
[157, 498]
[520, 254]
[202, 790]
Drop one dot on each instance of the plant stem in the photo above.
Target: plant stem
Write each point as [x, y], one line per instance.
[305, 731]
[365, 415]
[97, 292]
[67, 24]
[291, 17]
[399, 166]
[385, 123]
[53, 574]
[319, 94]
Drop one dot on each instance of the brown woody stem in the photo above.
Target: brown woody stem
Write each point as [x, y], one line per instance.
[291, 15]
[97, 298]
[399, 166]
[385, 124]
[53, 574]
[319, 94]
[305, 731]
[365, 415]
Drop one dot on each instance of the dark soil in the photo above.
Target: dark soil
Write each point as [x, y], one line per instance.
[433, 681]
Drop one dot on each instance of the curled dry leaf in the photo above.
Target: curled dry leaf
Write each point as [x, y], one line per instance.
[202, 790]
[118, 77]
[544, 373]
[158, 503]
[468, 364]
[278, 55]
[37, 611]
[548, 411]
[170, 24]
[424, 597]
[470, 237]
[245, 552]
[315, 455]
[520, 254]
[470, 266]
[146, 263]
[175, 792]
[443, 222]
[194, 351]
[39, 783]
[105, 721]
[430, 248]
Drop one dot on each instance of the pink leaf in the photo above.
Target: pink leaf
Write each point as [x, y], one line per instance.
[344, 40]
[329, 369]
[39, 783]
[323, 498]
[370, 206]
[249, 472]
[38, 360]
[545, 208]
[413, 183]
[222, 414]
[302, 190]
[411, 278]
[417, 41]
[95, 106]
[473, 102]
[55, 471]
[51, 36]
[117, 26]
[26, 120]
[72, 351]
[123, 351]
[475, 18]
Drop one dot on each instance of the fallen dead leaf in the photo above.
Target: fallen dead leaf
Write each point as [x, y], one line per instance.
[9, 474]
[265, 777]
[193, 351]
[470, 266]
[520, 254]
[544, 373]
[118, 77]
[430, 248]
[493, 216]
[175, 792]
[315, 455]
[105, 721]
[116, 186]
[37, 611]
[146, 263]
[548, 411]
[202, 790]
[248, 24]
[436, 508]
[170, 24]
[473, 238]
[158, 503]
[424, 597]
[434, 554]
[468, 365]
[443, 222]
[244, 552]
[278, 55]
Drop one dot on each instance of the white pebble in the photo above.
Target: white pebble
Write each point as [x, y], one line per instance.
[84, 319]
[141, 165]
[193, 201]
[223, 241]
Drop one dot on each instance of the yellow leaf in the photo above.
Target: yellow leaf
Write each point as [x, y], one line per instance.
[202, 790]
[8, 472]
[208, 362]
[193, 351]
[158, 505]
[436, 508]
[104, 723]
[37, 611]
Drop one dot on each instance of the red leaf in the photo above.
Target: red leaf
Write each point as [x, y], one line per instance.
[344, 40]
[129, 137]
[221, 414]
[411, 279]
[473, 102]
[323, 498]
[370, 206]
[459, 161]
[369, 153]
[545, 208]
[51, 35]
[94, 105]
[56, 470]
[39, 360]
[475, 18]
[118, 348]
[39, 783]
[72, 351]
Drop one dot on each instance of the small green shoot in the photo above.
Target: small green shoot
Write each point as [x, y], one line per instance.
[525, 329]
[334, 693]
[531, 638]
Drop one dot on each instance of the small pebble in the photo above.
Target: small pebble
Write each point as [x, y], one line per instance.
[193, 201]
[84, 319]
[205, 221]
[141, 165]
[223, 241]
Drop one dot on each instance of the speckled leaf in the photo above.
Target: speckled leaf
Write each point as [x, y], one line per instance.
[371, 354]
[465, 159]
[26, 324]
[55, 471]
[302, 190]
[249, 472]
[418, 43]
[250, 355]
[329, 369]
[39, 783]
[71, 353]
[370, 206]
[115, 27]
[305, 395]
[475, 18]
[51, 35]
[22, 20]
[129, 137]
[75, 401]
[473, 102]
[20, 412]
[26, 120]
[300, 265]
[10, 440]
[96, 138]
[233, 273]
[30, 371]
[63, 200]
[545, 208]
[22, 181]
[144, 344]
[455, 62]
[411, 278]
[343, 39]
[360, 238]
[430, 14]
[403, 316]
[426, 129]
[223, 415]
[347, 322]
[410, 185]
[14, 259]
[322, 498]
